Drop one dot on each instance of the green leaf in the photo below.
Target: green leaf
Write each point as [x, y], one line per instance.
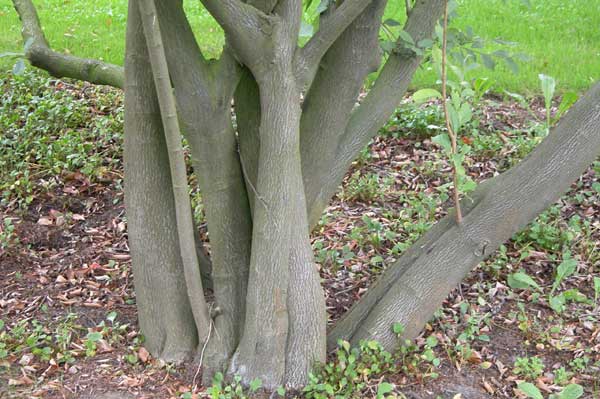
[94, 336]
[431, 341]
[405, 36]
[596, 288]
[323, 6]
[488, 61]
[465, 114]
[443, 140]
[391, 22]
[522, 281]
[425, 43]
[548, 88]
[374, 345]
[530, 390]
[571, 391]
[306, 30]
[1, 324]
[420, 96]
[467, 185]
[383, 388]
[567, 101]
[512, 65]
[454, 117]
[112, 316]
[19, 67]
[255, 384]
[281, 391]
[557, 303]
[388, 46]
[564, 270]
[399, 328]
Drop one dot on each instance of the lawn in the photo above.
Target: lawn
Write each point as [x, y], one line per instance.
[561, 38]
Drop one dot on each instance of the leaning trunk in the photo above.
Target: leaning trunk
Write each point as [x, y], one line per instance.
[412, 289]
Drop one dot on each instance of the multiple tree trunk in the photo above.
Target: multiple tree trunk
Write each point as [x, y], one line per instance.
[267, 175]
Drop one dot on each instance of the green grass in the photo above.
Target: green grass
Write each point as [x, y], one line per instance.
[562, 38]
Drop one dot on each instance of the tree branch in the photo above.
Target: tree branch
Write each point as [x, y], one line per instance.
[245, 26]
[39, 53]
[332, 97]
[307, 58]
[379, 104]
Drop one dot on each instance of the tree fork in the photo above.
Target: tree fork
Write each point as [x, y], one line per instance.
[377, 107]
[412, 289]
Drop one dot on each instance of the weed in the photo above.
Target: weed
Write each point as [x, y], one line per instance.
[49, 130]
[366, 188]
[528, 367]
[8, 236]
[220, 389]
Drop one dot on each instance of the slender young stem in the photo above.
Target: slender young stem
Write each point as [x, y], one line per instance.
[407, 2]
[185, 226]
[451, 131]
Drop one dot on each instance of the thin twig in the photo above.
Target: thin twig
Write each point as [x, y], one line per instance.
[210, 327]
[407, 8]
[451, 132]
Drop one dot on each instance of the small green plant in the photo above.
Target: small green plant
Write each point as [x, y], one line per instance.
[90, 343]
[47, 131]
[571, 391]
[528, 367]
[366, 188]
[562, 376]
[548, 85]
[347, 375]
[8, 236]
[220, 389]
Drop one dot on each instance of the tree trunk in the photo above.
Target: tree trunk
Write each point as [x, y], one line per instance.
[266, 179]
[412, 289]
[164, 311]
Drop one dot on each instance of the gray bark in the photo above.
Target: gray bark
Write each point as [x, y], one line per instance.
[412, 289]
[204, 91]
[261, 353]
[265, 188]
[330, 101]
[164, 311]
[183, 209]
[366, 120]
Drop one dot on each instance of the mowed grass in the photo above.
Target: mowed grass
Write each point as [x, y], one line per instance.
[561, 38]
